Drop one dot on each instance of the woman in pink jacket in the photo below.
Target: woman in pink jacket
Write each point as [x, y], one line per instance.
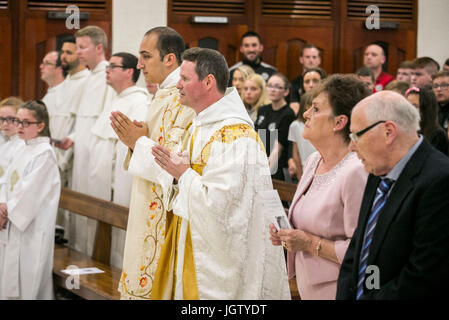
[325, 208]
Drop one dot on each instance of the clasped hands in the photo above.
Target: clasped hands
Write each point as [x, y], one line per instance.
[291, 239]
[174, 163]
[3, 215]
[127, 131]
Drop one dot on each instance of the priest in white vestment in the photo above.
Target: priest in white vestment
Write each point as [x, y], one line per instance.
[30, 198]
[108, 180]
[166, 124]
[217, 245]
[91, 44]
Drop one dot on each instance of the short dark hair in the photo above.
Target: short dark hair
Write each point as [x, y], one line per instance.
[427, 63]
[318, 70]
[39, 111]
[250, 34]
[344, 91]
[446, 63]
[209, 61]
[310, 46]
[168, 41]
[366, 72]
[129, 61]
[68, 38]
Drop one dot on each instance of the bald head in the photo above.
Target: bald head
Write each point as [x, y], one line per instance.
[384, 128]
[374, 56]
[390, 105]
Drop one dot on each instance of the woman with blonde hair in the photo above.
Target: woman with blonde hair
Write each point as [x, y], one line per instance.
[254, 94]
[239, 77]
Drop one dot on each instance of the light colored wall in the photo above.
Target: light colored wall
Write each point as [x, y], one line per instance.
[131, 19]
[433, 29]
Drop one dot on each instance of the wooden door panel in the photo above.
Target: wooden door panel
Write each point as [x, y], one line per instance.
[5, 53]
[283, 45]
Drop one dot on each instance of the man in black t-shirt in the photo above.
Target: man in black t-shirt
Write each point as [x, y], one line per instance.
[251, 48]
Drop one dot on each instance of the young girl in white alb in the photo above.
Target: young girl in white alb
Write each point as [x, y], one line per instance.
[29, 198]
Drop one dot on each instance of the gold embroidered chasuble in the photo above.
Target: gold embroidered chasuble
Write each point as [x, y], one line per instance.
[217, 245]
[168, 121]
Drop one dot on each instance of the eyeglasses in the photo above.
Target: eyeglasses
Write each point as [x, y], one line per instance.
[269, 86]
[45, 63]
[356, 135]
[24, 123]
[113, 66]
[8, 120]
[441, 85]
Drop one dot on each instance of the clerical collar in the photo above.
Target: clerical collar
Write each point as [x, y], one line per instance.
[38, 140]
[101, 66]
[397, 169]
[172, 79]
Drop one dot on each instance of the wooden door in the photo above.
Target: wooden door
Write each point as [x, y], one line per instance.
[224, 37]
[5, 50]
[397, 33]
[38, 34]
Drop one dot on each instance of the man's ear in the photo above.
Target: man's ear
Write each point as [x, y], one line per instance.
[391, 131]
[169, 59]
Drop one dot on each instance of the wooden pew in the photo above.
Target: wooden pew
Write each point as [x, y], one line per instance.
[108, 214]
[104, 285]
[286, 193]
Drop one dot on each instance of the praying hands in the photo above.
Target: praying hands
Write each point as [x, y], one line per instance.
[174, 163]
[127, 131]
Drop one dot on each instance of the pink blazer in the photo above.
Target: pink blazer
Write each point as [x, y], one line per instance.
[330, 209]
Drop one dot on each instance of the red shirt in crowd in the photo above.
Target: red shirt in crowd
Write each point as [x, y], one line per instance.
[382, 80]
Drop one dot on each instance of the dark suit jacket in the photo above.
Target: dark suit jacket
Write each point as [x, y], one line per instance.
[410, 244]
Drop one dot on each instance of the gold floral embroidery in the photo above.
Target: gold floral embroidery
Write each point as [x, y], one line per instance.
[2, 172]
[14, 179]
[227, 134]
[138, 283]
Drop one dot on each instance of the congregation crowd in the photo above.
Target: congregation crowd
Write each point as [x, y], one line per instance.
[193, 156]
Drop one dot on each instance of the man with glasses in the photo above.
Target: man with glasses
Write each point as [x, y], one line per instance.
[105, 170]
[440, 86]
[400, 249]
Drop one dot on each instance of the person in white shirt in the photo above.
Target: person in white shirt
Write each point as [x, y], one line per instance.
[107, 178]
[28, 227]
[8, 111]
[91, 43]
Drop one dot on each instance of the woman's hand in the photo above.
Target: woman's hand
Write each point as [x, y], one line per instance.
[295, 240]
[274, 235]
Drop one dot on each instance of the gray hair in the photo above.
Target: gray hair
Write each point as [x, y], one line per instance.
[389, 105]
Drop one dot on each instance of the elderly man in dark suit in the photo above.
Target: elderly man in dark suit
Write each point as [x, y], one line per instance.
[400, 249]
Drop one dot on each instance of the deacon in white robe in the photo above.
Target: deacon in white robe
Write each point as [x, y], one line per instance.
[107, 178]
[167, 121]
[31, 194]
[59, 101]
[94, 97]
[217, 244]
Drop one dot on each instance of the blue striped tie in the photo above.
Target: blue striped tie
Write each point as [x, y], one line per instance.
[379, 202]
